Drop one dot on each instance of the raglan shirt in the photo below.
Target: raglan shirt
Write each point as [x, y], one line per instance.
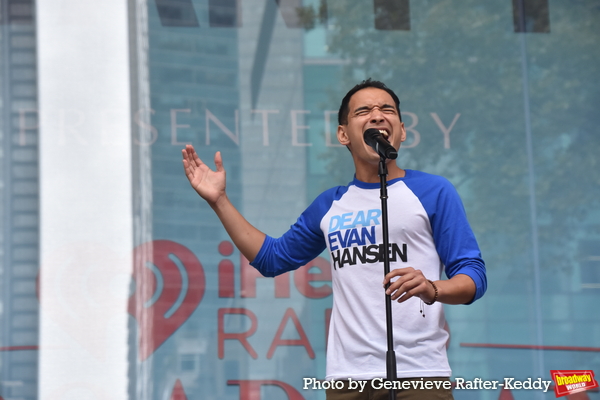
[428, 230]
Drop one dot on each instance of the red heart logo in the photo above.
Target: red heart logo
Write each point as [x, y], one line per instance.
[169, 285]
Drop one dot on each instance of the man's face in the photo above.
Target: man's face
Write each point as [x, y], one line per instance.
[370, 108]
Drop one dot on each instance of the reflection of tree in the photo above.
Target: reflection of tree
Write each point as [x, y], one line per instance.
[309, 15]
[467, 59]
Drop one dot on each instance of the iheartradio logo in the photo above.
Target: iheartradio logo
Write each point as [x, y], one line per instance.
[169, 285]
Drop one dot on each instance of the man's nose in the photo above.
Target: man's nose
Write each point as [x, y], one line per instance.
[376, 115]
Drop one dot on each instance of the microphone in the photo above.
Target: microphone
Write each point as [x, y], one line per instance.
[374, 139]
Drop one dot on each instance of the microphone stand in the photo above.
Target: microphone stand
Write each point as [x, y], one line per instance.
[391, 354]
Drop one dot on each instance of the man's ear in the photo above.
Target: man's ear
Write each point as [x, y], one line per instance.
[342, 135]
[403, 136]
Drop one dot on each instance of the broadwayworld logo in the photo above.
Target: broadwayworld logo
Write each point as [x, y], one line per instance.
[572, 381]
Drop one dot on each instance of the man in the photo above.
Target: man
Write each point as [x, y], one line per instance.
[429, 233]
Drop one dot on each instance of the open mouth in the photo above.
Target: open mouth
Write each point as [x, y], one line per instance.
[385, 134]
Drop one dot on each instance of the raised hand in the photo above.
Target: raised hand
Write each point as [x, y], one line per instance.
[209, 184]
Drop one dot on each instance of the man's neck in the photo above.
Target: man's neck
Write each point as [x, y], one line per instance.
[371, 175]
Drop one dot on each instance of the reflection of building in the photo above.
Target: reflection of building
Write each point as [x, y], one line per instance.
[19, 200]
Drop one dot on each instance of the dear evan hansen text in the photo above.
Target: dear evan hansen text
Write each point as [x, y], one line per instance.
[352, 239]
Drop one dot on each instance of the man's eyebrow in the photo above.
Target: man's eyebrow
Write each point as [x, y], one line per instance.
[362, 108]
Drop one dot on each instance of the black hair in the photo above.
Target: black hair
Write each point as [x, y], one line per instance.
[367, 83]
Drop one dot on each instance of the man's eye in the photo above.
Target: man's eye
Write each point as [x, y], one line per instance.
[362, 112]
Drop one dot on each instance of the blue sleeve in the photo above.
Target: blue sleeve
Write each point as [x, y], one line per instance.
[454, 239]
[303, 242]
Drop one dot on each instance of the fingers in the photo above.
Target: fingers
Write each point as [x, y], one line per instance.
[191, 159]
[219, 162]
[189, 165]
[397, 272]
[188, 151]
[188, 155]
[410, 283]
[418, 289]
[191, 156]
[197, 161]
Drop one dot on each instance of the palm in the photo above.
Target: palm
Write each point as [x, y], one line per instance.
[209, 184]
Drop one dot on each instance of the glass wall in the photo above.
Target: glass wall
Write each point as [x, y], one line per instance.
[498, 97]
